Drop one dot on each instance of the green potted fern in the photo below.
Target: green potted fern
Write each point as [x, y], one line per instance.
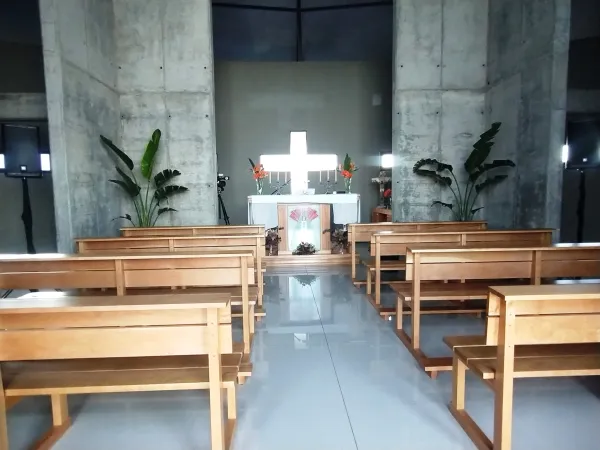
[150, 197]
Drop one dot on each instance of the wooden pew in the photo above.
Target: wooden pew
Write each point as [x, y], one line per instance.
[524, 324]
[395, 244]
[361, 232]
[254, 243]
[90, 345]
[428, 268]
[131, 273]
[199, 230]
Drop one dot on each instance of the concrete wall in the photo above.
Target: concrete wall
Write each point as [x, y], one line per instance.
[258, 104]
[439, 75]
[165, 80]
[12, 234]
[527, 76]
[79, 50]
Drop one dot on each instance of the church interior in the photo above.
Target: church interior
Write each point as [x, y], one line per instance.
[299, 224]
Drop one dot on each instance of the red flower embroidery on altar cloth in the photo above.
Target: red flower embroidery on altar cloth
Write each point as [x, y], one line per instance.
[300, 214]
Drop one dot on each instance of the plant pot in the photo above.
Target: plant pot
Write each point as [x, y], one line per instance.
[339, 249]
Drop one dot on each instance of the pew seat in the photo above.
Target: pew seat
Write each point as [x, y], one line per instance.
[463, 341]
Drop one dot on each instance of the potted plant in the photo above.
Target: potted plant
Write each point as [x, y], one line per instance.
[272, 240]
[304, 248]
[347, 170]
[339, 240]
[148, 205]
[478, 176]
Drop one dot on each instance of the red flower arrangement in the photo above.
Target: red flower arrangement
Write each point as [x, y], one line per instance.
[258, 171]
[387, 193]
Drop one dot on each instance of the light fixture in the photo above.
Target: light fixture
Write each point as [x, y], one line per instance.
[565, 153]
[387, 161]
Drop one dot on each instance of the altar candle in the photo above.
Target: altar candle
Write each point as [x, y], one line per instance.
[278, 177]
[269, 177]
[285, 177]
[335, 174]
[320, 181]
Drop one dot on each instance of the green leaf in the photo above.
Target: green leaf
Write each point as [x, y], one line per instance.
[165, 176]
[482, 148]
[164, 210]
[444, 181]
[117, 151]
[167, 191]
[252, 165]
[473, 211]
[147, 163]
[445, 205]
[126, 217]
[437, 165]
[347, 162]
[133, 189]
[490, 182]
[497, 163]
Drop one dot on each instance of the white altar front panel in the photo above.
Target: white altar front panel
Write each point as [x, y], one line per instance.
[262, 209]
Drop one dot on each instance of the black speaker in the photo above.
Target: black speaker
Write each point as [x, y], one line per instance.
[20, 144]
[583, 136]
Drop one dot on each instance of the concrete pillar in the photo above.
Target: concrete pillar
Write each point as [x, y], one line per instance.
[83, 102]
[166, 81]
[527, 75]
[439, 78]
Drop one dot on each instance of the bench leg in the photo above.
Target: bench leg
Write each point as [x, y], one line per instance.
[399, 312]
[459, 374]
[231, 415]
[252, 320]
[60, 423]
[3, 425]
[369, 277]
[378, 287]
[217, 433]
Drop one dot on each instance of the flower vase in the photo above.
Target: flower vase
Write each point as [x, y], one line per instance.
[348, 185]
[259, 186]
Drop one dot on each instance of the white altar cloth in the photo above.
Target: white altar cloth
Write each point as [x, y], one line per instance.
[262, 209]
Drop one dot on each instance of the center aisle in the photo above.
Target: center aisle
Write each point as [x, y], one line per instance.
[330, 374]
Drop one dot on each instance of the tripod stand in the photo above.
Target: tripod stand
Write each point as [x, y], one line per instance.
[222, 211]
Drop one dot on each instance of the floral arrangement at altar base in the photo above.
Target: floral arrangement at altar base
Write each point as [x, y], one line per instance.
[259, 174]
[304, 248]
[347, 170]
[339, 240]
[272, 240]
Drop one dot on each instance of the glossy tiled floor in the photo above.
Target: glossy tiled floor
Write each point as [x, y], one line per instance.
[329, 374]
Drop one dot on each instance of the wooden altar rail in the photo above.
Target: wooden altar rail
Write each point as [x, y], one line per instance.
[199, 230]
[172, 244]
[92, 345]
[531, 332]
[361, 232]
[131, 273]
[428, 269]
[396, 244]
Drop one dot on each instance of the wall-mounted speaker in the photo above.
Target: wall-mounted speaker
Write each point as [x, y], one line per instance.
[21, 144]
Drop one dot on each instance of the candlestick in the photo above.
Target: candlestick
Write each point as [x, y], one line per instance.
[335, 174]
[320, 181]
[278, 176]
[285, 177]
[328, 176]
[269, 177]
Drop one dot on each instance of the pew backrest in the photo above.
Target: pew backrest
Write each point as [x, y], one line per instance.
[387, 244]
[481, 263]
[226, 230]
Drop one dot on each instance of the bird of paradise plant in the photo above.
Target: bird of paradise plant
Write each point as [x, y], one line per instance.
[259, 174]
[148, 205]
[347, 170]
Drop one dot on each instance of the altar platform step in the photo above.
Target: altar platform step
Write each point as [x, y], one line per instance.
[322, 259]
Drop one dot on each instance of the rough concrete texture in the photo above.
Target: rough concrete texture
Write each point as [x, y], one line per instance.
[23, 106]
[439, 70]
[166, 81]
[82, 104]
[527, 76]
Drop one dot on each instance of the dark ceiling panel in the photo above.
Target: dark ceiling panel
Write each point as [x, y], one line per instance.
[271, 3]
[325, 3]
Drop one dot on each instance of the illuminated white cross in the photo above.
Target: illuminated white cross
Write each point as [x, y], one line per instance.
[298, 162]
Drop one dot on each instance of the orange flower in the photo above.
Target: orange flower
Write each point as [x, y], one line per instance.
[352, 167]
[346, 174]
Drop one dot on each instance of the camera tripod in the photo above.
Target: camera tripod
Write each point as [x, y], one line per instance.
[222, 210]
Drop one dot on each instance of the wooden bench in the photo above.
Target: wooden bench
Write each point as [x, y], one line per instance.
[206, 244]
[395, 244]
[91, 345]
[532, 332]
[200, 230]
[362, 232]
[428, 268]
[131, 273]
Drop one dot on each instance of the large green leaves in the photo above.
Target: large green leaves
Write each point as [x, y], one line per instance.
[435, 173]
[482, 148]
[117, 151]
[147, 162]
[445, 205]
[128, 185]
[496, 164]
[165, 192]
[490, 182]
[165, 176]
